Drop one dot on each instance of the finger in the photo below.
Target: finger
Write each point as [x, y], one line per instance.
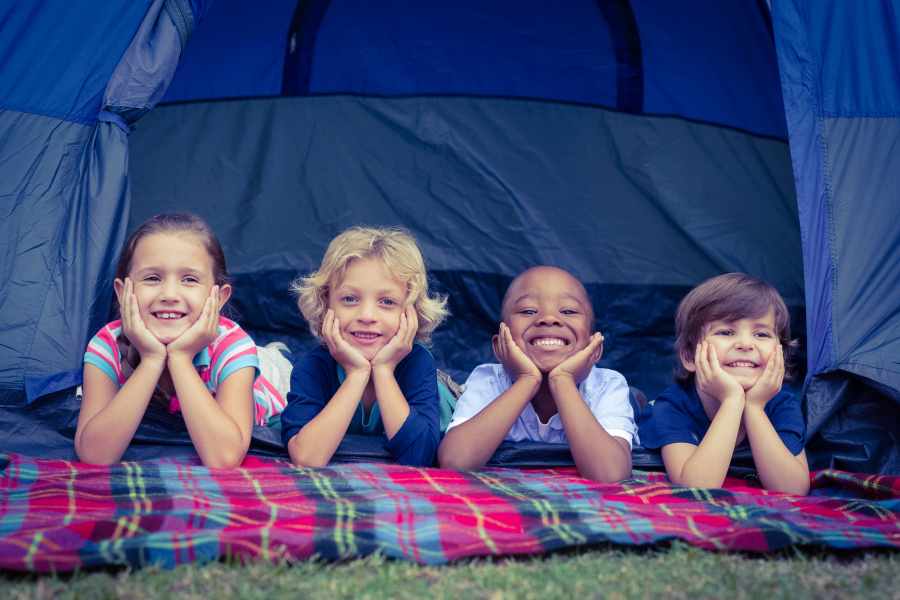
[412, 320]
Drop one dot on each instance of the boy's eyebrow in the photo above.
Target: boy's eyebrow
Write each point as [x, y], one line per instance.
[524, 296]
[571, 297]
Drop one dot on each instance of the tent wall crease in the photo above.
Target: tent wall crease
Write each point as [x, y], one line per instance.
[840, 73]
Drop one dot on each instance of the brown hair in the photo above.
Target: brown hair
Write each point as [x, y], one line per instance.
[729, 298]
[174, 223]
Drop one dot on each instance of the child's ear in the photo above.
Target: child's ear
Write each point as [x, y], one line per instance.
[688, 361]
[224, 294]
[495, 342]
[119, 286]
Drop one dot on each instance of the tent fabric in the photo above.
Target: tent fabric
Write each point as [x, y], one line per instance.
[490, 186]
[704, 60]
[641, 146]
[840, 74]
[60, 268]
[62, 516]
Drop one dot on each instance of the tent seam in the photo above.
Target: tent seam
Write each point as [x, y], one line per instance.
[480, 96]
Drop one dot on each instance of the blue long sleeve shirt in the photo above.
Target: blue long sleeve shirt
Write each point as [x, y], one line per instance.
[317, 377]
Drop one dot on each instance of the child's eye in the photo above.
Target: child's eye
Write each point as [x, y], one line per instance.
[348, 299]
[569, 312]
[151, 278]
[724, 332]
[764, 334]
[191, 280]
[388, 302]
[527, 311]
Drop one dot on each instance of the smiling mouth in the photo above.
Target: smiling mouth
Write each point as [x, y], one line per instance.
[365, 336]
[168, 316]
[549, 342]
[742, 363]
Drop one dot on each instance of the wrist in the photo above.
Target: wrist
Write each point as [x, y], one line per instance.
[383, 370]
[528, 383]
[179, 359]
[153, 362]
[563, 378]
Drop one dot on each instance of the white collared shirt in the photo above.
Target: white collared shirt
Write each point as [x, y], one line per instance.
[605, 392]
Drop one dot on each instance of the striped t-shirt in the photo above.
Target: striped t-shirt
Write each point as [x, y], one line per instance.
[233, 349]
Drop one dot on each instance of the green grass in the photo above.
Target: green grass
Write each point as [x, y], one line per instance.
[677, 572]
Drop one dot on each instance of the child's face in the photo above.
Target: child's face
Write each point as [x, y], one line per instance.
[742, 347]
[547, 316]
[172, 277]
[368, 304]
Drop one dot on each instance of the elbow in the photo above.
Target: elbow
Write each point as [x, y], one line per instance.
[796, 488]
[231, 461]
[86, 456]
[455, 462]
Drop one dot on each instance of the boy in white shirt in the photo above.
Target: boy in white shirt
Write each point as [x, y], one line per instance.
[546, 388]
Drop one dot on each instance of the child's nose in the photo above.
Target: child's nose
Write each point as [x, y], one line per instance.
[169, 290]
[367, 312]
[744, 341]
[548, 319]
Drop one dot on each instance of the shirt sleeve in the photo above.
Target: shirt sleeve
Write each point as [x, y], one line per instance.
[786, 416]
[232, 350]
[669, 421]
[482, 387]
[609, 401]
[311, 390]
[103, 352]
[416, 442]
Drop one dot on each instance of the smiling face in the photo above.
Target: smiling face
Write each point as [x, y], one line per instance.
[368, 304]
[742, 346]
[172, 275]
[548, 316]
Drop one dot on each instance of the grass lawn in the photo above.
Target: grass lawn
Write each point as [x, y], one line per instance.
[680, 571]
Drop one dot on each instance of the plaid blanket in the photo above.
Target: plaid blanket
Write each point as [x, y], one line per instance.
[60, 516]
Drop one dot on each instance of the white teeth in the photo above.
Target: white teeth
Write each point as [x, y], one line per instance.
[168, 315]
[548, 342]
[366, 336]
[742, 364]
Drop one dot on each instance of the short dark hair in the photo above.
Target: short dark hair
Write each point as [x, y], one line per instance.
[729, 297]
[504, 304]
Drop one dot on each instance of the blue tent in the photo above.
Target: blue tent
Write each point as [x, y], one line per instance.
[644, 147]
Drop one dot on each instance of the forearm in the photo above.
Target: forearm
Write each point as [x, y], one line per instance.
[107, 434]
[598, 456]
[778, 469]
[392, 403]
[470, 445]
[708, 465]
[317, 441]
[216, 436]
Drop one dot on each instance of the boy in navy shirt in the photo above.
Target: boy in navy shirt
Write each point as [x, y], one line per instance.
[734, 348]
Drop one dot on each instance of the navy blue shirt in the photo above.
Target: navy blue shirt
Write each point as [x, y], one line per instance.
[315, 381]
[677, 416]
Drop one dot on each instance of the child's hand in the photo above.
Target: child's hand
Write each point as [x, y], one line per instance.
[769, 383]
[135, 330]
[401, 344]
[516, 363]
[202, 333]
[340, 350]
[710, 377]
[578, 366]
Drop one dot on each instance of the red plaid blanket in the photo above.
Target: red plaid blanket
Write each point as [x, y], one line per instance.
[60, 516]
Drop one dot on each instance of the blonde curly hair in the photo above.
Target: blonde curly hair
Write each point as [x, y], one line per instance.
[402, 258]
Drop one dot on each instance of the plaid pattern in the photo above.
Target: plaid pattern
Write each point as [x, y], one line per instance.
[60, 516]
